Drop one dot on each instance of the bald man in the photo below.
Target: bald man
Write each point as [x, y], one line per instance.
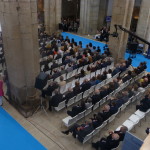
[107, 143]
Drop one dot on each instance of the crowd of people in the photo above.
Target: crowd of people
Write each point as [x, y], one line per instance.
[114, 103]
[56, 47]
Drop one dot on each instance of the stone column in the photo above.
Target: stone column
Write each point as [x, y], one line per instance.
[143, 27]
[102, 12]
[121, 15]
[20, 38]
[52, 15]
[89, 16]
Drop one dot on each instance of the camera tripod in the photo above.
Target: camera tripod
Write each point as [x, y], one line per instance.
[41, 106]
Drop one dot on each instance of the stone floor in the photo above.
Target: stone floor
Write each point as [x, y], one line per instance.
[47, 129]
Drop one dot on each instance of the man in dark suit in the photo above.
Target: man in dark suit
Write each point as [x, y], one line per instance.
[96, 97]
[56, 99]
[123, 67]
[69, 95]
[56, 74]
[127, 77]
[103, 92]
[77, 109]
[107, 143]
[105, 114]
[80, 130]
[51, 87]
[85, 85]
[116, 70]
[144, 104]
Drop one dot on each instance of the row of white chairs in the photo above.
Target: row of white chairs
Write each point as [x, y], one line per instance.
[130, 123]
[69, 121]
[71, 84]
[77, 71]
[82, 95]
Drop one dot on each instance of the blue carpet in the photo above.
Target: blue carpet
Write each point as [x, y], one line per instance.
[14, 137]
[136, 61]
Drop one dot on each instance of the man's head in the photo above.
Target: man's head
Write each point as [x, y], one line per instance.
[115, 136]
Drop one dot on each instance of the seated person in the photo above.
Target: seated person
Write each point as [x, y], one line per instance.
[93, 81]
[116, 84]
[81, 74]
[109, 74]
[46, 68]
[51, 87]
[123, 67]
[121, 132]
[56, 99]
[144, 104]
[103, 92]
[62, 82]
[69, 95]
[105, 114]
[97, 121]
[127, 77]
[76, 89]
[116, 70]
[113, 108]
[80, 130]
[85, 85]
[108, 143]
[56, 74]
[77, 109]
[96, 97]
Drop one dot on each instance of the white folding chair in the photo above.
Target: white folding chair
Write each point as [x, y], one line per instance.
[92, 74]
[69, 121]
[80, 115]
[102, 70]
[86, 94]
[62, 89]
[79, 97]
[64, 76]
[111, 118]
[68, 85]
[69, 75]
[98, 72]
[60, 106]
[88, 76]
[96, 106]
[122, 108]
[71, 101]
[79, 70]
[87, 137]
[129, 124]
[134, 118]
[57, 79]
[91, 89]
[140, 114]
[88, 111]
[81, 80]
[74, 72]
[85, 67]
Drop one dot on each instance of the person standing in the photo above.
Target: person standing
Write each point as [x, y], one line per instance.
[1, 91]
